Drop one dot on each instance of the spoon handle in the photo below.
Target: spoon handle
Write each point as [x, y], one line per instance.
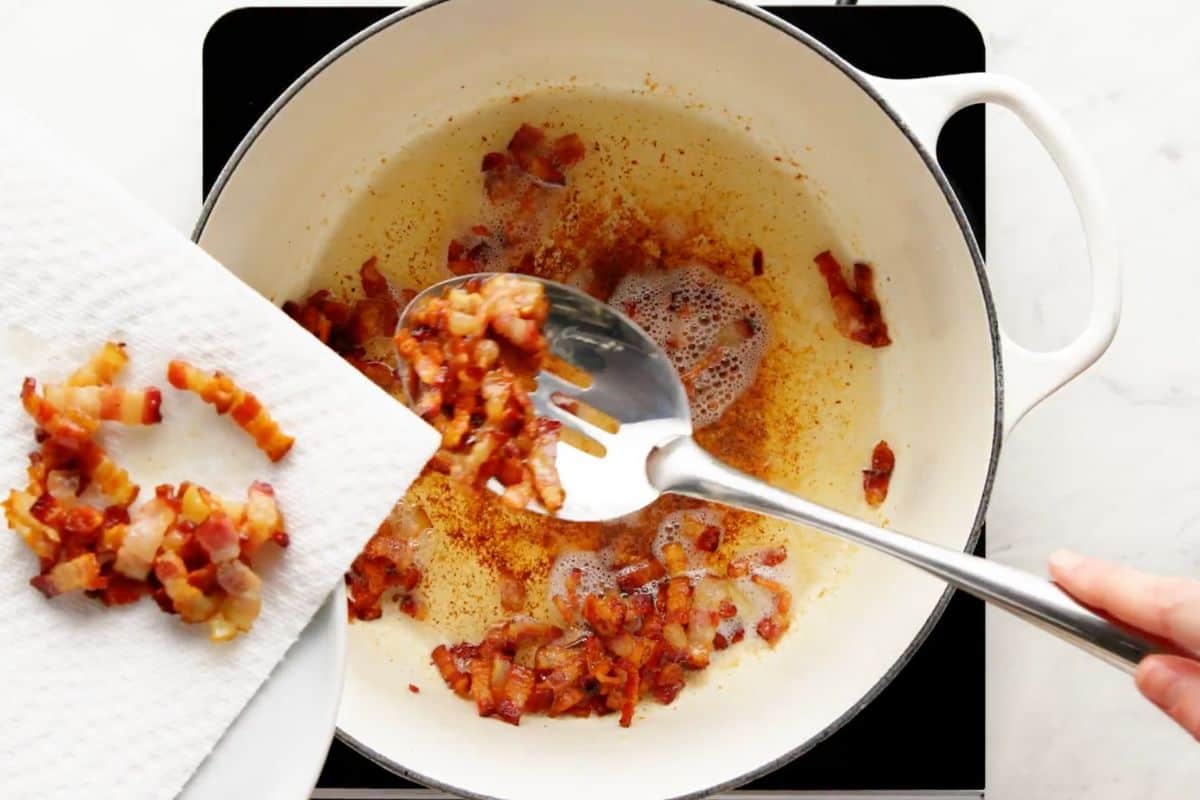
[683, 467]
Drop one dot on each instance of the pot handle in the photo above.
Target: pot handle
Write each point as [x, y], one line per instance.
[925, 104]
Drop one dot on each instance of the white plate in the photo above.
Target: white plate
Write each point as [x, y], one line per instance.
[275, 748]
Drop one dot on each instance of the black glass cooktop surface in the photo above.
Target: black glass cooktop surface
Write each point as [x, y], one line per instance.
[924, 734]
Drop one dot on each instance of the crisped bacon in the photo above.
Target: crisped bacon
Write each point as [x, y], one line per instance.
[107, 403]
[461, 350]
[147, 526]
[525, 184]
[857, 314]
[68, 429]
[242, 600]
[878, 478]
[188, 549]
[263, 520]
[387, 562]
[218, 537]
[189, 602]
[102, 368]
[218, 390]
[42, 539]
[359, 331]
[620, 648]
[98, 468]
[81, 573]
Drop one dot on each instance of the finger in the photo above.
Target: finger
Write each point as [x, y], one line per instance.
[1167, 607]
[1173, 684]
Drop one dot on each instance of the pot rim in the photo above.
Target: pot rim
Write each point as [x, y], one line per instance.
[943, 183]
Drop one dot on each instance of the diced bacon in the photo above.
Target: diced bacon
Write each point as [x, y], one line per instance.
[42, 539]
[68, 429]
[605, 614]
[639, 574]
[219, 538]
[242, 600]
[878, 478]
[475, 398]
[857, 314]
[263, 519]
[191, 540]
[81, 573]
[113, 403]
[516, 692]
[219, 391]
[186, 600]
[102, 368]
[676, 558]
[99, 469]
[147, 525]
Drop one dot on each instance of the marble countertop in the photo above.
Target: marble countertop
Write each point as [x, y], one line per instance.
[1104, 466]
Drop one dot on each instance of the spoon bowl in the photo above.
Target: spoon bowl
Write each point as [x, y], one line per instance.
[628, 376]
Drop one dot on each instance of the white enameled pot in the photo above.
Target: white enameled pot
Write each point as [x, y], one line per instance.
[954, 383]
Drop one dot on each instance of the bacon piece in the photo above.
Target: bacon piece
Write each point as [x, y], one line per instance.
[242, 601]
[675, 557]
[218, 537]
[457, 680]
[476, 398]
[386, 563]
[42, 539]
[263, 520]
[186, 600]
[517, 689]
[605, 614]
[98, 468]
[878, 478]
[639, 574]
[857, 314]
[81, 573]
[68, 429]
[219, 390]
[541, 465]
[147, 526]
[102, 368]
[126, 406]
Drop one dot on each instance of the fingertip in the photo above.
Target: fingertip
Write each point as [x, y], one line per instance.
[1154, 677]
[1064, 562]
[1173, 684]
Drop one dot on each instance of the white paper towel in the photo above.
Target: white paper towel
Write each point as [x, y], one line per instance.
[126, 702]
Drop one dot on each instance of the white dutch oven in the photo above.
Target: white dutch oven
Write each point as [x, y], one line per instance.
[953, 383]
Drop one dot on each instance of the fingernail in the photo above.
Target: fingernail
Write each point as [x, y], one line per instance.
[1065, 560]
[1160, 682]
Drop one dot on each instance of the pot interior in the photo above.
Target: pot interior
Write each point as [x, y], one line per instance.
[298, 209]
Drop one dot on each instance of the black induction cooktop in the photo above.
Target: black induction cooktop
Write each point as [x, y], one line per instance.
[924, 734]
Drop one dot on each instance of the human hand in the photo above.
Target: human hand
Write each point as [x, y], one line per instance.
[1165, 607]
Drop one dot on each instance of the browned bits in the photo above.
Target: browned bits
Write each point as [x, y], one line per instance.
[877, 479]
[757, 261]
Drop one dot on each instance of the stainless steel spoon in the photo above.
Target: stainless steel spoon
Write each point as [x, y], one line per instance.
[653, 452]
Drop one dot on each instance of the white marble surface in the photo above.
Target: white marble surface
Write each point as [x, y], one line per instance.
[1105, 466]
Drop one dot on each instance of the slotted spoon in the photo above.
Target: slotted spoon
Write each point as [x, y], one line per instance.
[634, 382]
